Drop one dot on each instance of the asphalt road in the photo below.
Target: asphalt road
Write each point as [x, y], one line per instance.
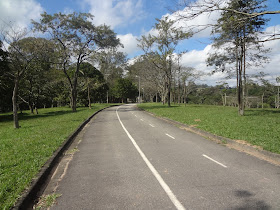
[129, 159]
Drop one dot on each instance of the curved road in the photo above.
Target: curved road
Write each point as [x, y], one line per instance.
[128, 159]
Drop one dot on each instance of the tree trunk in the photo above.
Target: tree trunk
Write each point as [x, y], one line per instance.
[31, 108]
[238, 60]
[73, 99]
[74, 94]
[156, 98]
[168, 94]
[240, 91]
[179, 91]
[14, 100]
[185, 94]
[89, 102]
[262, 99]
[244, 75]
[169, 82]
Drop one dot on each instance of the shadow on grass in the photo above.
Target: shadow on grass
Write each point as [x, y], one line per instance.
[28, 116]
[158, 106]
[261, 112]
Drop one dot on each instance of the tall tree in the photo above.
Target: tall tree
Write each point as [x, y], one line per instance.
[111, 64]
[163, 46]
[6, 81]
[35, 79]
[22, 52]
[150, 77]
[93, 83]
[239, 37]
[207, 7]
[77, 38]
[124, 88]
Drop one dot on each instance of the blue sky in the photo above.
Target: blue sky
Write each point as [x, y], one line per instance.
[132, 18]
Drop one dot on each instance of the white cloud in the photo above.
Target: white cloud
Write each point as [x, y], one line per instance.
[200, 25]
[115, 13]
[130, 44]
[19, 12]
[197, 59]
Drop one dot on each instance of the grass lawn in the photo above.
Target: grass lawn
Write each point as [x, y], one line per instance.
[259, 127]
[24, 151]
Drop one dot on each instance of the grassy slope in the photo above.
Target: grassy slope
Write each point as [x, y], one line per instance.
[24, 151]
[258, 127]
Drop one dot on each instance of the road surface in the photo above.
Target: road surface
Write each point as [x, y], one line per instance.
[129, 159]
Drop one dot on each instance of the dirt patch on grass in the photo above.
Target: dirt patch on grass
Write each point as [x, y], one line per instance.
[248, 144]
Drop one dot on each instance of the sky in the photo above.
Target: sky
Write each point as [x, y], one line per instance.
[131, 19]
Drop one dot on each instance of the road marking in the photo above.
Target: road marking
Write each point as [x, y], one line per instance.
[141, 119]
[214, 161]
[169, 136]
[135, 115]
[165, 187]
[152, 125]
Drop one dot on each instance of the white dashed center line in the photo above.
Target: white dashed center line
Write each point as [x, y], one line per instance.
[214, 161]
[165, 187]
[152, 125]
[169, 136]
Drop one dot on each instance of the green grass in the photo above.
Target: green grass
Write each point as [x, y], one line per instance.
[259, 127]
[24, 151]
[47, 201]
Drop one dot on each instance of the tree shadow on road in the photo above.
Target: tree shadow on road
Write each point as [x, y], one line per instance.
[249, 202]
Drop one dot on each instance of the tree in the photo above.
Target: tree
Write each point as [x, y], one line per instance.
[111, 64]
[240, 39]
[6, 81]
[162, 46]
[150, 76]
[76, 38]
[93, 83]
[207, 7]
[22, 52]
[18, 65]
[124, 89]
[35, 79]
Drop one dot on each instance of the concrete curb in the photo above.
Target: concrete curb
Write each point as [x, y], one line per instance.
[270, 157]
[39, 183]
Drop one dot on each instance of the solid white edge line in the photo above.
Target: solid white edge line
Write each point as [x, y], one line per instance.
[214, 161]
[169, 136]
[165, 187]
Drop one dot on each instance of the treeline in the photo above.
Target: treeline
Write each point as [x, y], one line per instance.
[258, 92]
[74, 63]
[42, 85]
[258, 96]
[237, 45]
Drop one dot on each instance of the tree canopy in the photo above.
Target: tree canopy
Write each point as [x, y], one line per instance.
[77, 39]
